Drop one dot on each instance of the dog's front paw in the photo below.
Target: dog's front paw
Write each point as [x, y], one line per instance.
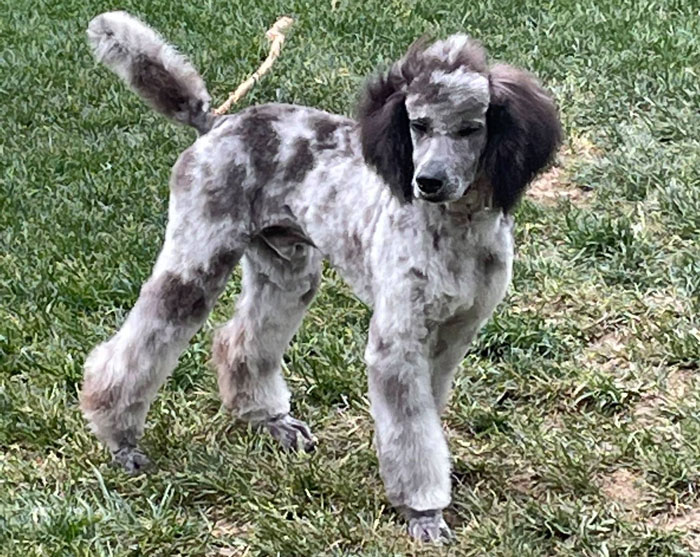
[428, 526]
[132, 459]
[292, 434]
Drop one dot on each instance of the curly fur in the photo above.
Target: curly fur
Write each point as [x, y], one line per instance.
[410, 205]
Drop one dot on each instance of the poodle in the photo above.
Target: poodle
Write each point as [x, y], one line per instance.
[411, 203]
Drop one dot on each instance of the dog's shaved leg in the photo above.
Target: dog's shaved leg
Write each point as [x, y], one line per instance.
[413, 454]
[451, 343]
[123, 374]
[248, 349]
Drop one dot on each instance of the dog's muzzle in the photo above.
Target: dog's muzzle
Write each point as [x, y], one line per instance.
[431, 185]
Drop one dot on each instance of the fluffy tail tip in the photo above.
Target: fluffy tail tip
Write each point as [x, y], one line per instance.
[160, 75]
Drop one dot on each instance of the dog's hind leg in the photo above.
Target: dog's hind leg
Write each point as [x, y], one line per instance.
[280, 276]
[123, 374]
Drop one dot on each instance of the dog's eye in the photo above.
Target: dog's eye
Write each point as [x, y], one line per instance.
[418, 126]
[467, 130]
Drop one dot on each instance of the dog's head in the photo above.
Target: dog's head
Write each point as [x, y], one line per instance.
[440, 120]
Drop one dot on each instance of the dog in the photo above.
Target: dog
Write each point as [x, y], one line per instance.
[411, 203]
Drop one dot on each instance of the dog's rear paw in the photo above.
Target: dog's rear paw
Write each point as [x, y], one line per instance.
[429, 526]
[292, 434]
[132, 459]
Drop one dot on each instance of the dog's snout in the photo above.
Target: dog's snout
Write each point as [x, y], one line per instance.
[430, 184]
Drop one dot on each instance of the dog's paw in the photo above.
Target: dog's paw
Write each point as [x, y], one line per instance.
[429, 526]
[292, 434]
[131, 459]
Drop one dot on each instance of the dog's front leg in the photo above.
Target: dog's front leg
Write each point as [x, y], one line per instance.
[413, 455]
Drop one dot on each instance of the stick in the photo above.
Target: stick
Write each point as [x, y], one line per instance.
[276, 34]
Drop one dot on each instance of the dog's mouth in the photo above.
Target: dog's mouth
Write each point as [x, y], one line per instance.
[438, 197]
[447, 193]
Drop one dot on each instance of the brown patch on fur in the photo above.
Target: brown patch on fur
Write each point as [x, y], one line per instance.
[223, 198]
[348, 132]
[307, 296]
[367, 217]
[222, 343]
[383, 345]
[284, 241]
[219, 267]
[262, 141]
[436, 240]
[429, 93]
[490, 263]
[397, 393]
[324, 129]
[440, 347]
[181, 300]
[353, 246]
[158, 86]
[232, 379]
[300, 163]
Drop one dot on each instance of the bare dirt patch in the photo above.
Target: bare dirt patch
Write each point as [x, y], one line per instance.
[525, 482]
[624, 487]
[647, 410]
[610, 352]
[556, 184]
[688, 525]
[678, 383]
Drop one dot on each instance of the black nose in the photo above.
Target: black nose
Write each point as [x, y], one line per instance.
[429, 185]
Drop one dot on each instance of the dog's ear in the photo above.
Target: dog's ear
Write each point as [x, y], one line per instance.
[523, 133]
[385, 132]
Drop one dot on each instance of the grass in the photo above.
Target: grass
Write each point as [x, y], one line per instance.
[574, 421]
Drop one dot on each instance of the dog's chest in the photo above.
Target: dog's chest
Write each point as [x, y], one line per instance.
[465, 268]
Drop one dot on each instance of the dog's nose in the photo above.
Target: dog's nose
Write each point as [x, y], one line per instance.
[430, 184]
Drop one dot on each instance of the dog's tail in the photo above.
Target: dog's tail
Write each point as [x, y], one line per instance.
[160, 75]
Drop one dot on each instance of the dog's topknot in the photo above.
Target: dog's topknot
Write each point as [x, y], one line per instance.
[386, 141]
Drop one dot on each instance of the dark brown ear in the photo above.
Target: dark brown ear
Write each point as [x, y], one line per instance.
[385, 132]
[523, 133]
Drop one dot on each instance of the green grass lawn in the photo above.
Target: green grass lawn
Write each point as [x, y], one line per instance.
[574, 422]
